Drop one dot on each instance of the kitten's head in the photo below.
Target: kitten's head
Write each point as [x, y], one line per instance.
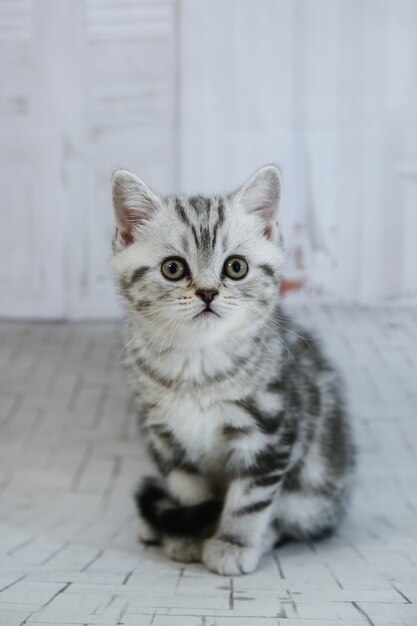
[198, 268]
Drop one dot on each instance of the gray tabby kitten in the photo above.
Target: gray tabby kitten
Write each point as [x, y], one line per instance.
[243, 416]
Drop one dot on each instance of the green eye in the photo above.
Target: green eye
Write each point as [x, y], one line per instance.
[235, 267]
[174, 269]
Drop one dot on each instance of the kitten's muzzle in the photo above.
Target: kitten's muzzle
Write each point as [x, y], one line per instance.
[207, 295]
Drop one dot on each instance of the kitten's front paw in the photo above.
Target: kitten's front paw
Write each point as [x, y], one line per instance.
[147, 534]
[183, 549]
[229, 559]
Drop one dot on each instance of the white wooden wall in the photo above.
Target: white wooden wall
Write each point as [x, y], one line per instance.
[86, 86]
[194, 95]
[328, 90]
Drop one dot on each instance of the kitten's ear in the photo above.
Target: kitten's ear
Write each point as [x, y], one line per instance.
[133, 203]
[261, 195]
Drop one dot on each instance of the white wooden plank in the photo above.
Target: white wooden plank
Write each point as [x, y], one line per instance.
[31, 199]
[125, 117]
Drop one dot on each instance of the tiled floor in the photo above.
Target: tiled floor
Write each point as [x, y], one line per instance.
[70, 457]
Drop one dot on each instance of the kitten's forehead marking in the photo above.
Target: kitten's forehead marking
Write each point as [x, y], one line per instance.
[203, 218]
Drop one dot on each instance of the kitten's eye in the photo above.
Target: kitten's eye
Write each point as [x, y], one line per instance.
[235, 267]
[174, 269]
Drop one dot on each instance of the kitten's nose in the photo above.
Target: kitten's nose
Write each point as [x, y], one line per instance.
[207, 295]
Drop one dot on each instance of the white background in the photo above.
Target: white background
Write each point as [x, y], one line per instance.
[193, 95]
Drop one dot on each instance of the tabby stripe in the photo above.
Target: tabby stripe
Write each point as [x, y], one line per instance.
[186, 466]
[267, 481]
[138, 274]
[197, 243]
[175, 458]
[163, 433]
[314, 400]
[184, 242]
[177, 454]
[214, 237]
[288, 437]
[220, 220]
[124, 288]
[142, 304]
[255, 507]
[276, 386]
[239, 364]
[205, 238]
[235, 541]
[293, 484]
[267, 269]
[152, 374]
[164, 465]
[267, 461]
[181, 213]
[225, 243]
[231, 432]
[220, 209]
[267, 424]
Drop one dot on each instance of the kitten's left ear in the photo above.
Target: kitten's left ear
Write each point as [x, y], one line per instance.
[261, 195]
[133, 203]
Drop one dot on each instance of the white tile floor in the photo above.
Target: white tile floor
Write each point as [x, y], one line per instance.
[70, 457]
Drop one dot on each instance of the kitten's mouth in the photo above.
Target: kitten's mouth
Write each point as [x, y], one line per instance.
[206, 313]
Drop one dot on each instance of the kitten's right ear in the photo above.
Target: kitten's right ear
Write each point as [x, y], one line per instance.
[133, 203]
[260, 195]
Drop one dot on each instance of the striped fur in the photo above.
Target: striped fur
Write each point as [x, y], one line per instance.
[243, 415]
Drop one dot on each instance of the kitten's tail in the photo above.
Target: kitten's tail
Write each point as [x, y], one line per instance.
[165, 515]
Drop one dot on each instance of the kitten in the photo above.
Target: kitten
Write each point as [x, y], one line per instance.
[243, 416]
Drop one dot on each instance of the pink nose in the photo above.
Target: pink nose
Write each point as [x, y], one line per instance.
[207, 295]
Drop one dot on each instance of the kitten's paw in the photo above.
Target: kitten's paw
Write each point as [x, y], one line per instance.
[229, 559]
[183, 549]
[147, 534]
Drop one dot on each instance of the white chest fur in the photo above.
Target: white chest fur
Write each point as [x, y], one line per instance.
[196, 422]
[194, 396]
